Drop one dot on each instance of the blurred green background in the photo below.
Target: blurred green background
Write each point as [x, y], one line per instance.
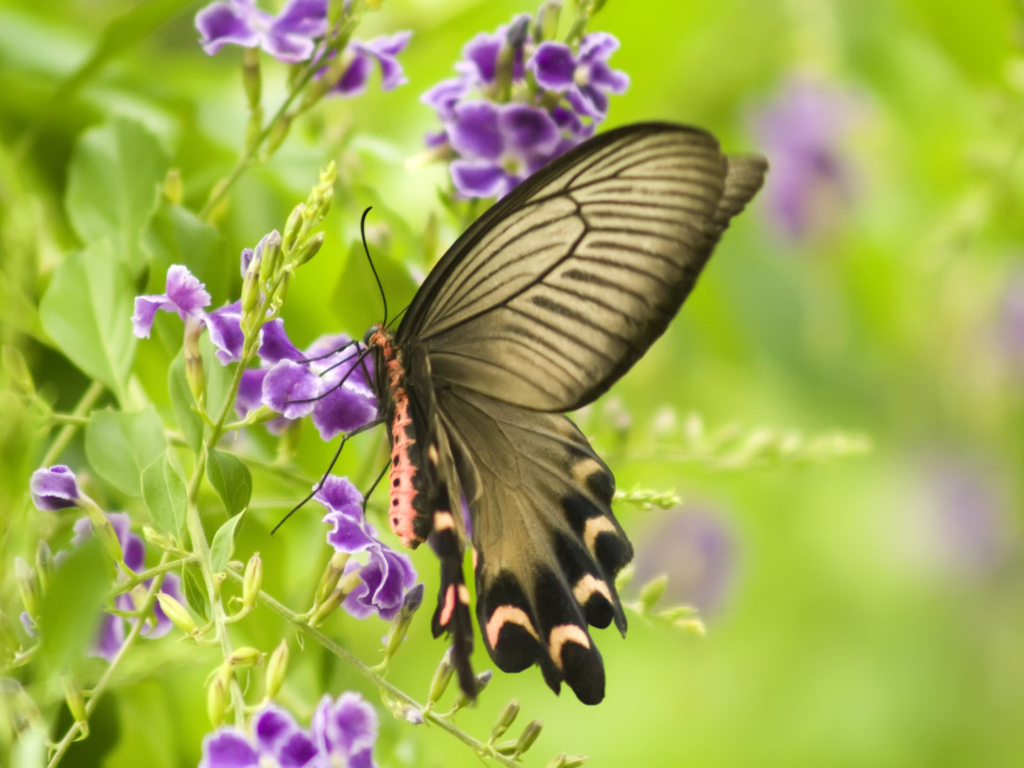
[865, 611]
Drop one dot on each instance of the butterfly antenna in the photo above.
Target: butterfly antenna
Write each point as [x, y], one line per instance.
[366, 248]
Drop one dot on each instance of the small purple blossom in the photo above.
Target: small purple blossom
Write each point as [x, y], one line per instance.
[288, 37]
[387, 575]
[802, 132]
[345, 731]
[384, 51]
[585, 78]
[54, 488]
[111, 634]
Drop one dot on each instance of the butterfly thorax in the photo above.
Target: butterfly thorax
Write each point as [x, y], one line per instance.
[404, 511]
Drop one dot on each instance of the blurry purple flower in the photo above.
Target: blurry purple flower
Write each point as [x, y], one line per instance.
[291, 389]
[585, 78]
[501, 145]
[111, 634]
[802, 133]
[225, 327]
[445, 95]
[384, 51]
[288, 37]
[275, 345]
[387, 575]
[696, 549]
[276, 740]
[480, 64]
[345, 731]
[54, 488]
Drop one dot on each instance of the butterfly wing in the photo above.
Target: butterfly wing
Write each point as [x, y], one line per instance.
[546, 544]
[559, 288]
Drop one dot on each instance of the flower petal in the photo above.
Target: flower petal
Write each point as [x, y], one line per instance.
[597, 46]
[275, 345]
[109, 638]
[342, 410]
[475, 132]
[271, 725]
[527, 130]
[290, 389]
[250, 390]
[185, 291]
[553, 65]
[224, 23]
[475, 178]
[353, 80]
[481, 54]
[443, 96]
[225, 327]
[607, 79]
[228, 748]
[302, 17]
[54, 488]
[288, 49]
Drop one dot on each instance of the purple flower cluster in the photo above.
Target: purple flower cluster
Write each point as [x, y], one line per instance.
[54, 488]
[319, 381]
[386, 576]
[296, 34]
[342, 733]
[802, 132]
[518, 103]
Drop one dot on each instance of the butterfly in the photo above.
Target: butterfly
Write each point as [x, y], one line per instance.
[537, 309]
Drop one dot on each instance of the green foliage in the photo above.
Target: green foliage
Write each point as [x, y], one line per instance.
[163, 490]
[223, 544]
[183, 403]
[231, 480]
[121, 445]
[71, 606]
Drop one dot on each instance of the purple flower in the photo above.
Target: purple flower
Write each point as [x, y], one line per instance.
[501, 145]
[697, 550]
[345, 731]
[802, 132]
[351, 533]
[111, 634]
[188, 298]
[54, 488]
[384, 51]
[585, 78]
[480, 65]
[276, 739]
[288, 37]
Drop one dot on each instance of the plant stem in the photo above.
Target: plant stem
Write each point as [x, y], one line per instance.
[100, 688]
[89, 398]
[143, 576]
[364, 669]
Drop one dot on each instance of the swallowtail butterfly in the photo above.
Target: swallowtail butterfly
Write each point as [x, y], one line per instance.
[543, 303]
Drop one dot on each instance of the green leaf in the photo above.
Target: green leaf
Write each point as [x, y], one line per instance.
[195, 593]
[87, 312]
[120, 445]
[224, 544]
[231, 480]
[182, 402]
[175, 235]
[163, 490]
[70, 611]
[218, 377]
[113, 182]
[149, 724]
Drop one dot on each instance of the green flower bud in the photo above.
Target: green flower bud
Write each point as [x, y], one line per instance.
[396, 634]
[442, 676]
[694, 627]
[310, 249]
[277, 668]
[270, 259]
[625, 576]
[177, 613]
[28, 586]
[505, 719]
[251, 76]
[567, 761]
[217, 699]
[652, 591]
[461, 699]
[252, 580]
[174, 187]
[74, 697]
[18, 370]
[194, 373]
[159, 539]
[528, 737]
[245, 656]
[292, 227]
[331, 575]
[547, 20]
[44, 564]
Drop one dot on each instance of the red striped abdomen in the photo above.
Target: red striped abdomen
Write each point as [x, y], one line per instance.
[402, 512]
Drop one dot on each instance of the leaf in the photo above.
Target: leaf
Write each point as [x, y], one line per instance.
[70, 612]
[120, 445]
[218, 377]
[87, 312]
[113, 183]
[163, 490]
[149, 724]
[195, 593]
[175, 235]
[189, 423]
[224, 544]
[231, 480]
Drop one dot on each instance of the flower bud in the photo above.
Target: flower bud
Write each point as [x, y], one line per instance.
[252, 580]
[270, 256]
[677, 612]
[310, 249]
[277, 668]
[292, 227]
[251, 76]
[44, 564]
[528, 737]
[250, 290]
[28, 586]
[74, 697]
[194, 358]
[326, 608]
[16, 367]
[514, 40]
[442, 676]
[177, 613]
[245, 656]
[396, 634]
[217, 699]
[652, 591]
[568, 761]
[331, 575]
[505, 719]
[693, 627]
[547, 20]
[625, 576]
[174, 187]
[461, 699]
[159, 539]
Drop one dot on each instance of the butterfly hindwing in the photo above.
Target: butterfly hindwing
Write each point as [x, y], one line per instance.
[547, 546]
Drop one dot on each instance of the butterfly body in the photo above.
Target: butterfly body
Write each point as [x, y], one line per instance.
[536, 310]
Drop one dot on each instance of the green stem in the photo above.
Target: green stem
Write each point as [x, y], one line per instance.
[364, 669]
[100, 688]
[89, 398]
[144, 576]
